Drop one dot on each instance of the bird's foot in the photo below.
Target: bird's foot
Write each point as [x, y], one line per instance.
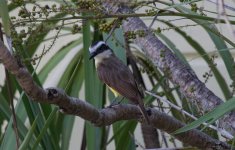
[115, 102]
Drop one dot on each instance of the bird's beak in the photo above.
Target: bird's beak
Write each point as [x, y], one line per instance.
[92, 55]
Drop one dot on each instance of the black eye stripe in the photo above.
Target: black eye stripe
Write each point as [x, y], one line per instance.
[102, 48]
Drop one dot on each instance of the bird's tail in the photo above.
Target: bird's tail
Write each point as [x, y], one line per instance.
[144, 113]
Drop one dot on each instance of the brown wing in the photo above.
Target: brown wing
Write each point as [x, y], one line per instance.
[117, 75]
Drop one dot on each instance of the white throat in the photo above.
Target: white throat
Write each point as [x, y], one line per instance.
[98, 58]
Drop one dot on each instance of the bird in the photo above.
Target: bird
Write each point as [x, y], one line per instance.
[116, 75]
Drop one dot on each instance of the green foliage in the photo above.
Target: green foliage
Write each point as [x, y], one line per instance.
[210, 117]
[36, 32]
[4, 14]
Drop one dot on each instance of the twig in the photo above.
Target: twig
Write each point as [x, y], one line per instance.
[50, 46]
[155, 17]
[151, 24]
[112, 30]
[167, 13]
[221, 131]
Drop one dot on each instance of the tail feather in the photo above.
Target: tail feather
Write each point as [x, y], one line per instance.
[144, 113]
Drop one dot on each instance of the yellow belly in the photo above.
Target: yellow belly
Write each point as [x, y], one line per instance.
[116, 94]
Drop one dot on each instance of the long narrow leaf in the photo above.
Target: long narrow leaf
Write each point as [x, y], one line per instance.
[93, 90]
[9, 141]
[26, 141]
[5, 17]
[210, 117]
[72, 82]
[45, 127]
[56, 59]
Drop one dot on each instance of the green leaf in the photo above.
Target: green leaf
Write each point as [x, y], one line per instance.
[210, 117]
[93, 90]
[5, 17]
[174, 48]
[125, 131]
[77, 79]
[33, 110]
[54, 61]
[117, 43]
[45, 127]
[72, 81]
[9, 140]
[222, 49]
[20, 117]
[70, 72]
[68, 123]
[28, 137]
[4, 107]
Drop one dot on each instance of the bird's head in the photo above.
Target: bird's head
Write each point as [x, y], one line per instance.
[100, 50]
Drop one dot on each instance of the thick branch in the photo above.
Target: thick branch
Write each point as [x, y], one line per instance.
[179, 73]
[106, 116]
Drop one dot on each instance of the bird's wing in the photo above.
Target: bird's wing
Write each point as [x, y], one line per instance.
[118, 76]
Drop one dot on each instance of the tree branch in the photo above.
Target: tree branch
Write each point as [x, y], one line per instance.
[102, 117]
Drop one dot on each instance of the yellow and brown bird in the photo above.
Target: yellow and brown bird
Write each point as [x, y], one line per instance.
[116, 75]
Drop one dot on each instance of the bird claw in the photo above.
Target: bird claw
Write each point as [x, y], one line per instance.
[114, 102]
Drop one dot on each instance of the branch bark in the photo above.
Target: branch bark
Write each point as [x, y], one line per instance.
[106, 116]
[150, 136]
[179, 73]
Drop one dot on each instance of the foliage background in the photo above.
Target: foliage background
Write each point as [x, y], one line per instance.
[66, 63]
